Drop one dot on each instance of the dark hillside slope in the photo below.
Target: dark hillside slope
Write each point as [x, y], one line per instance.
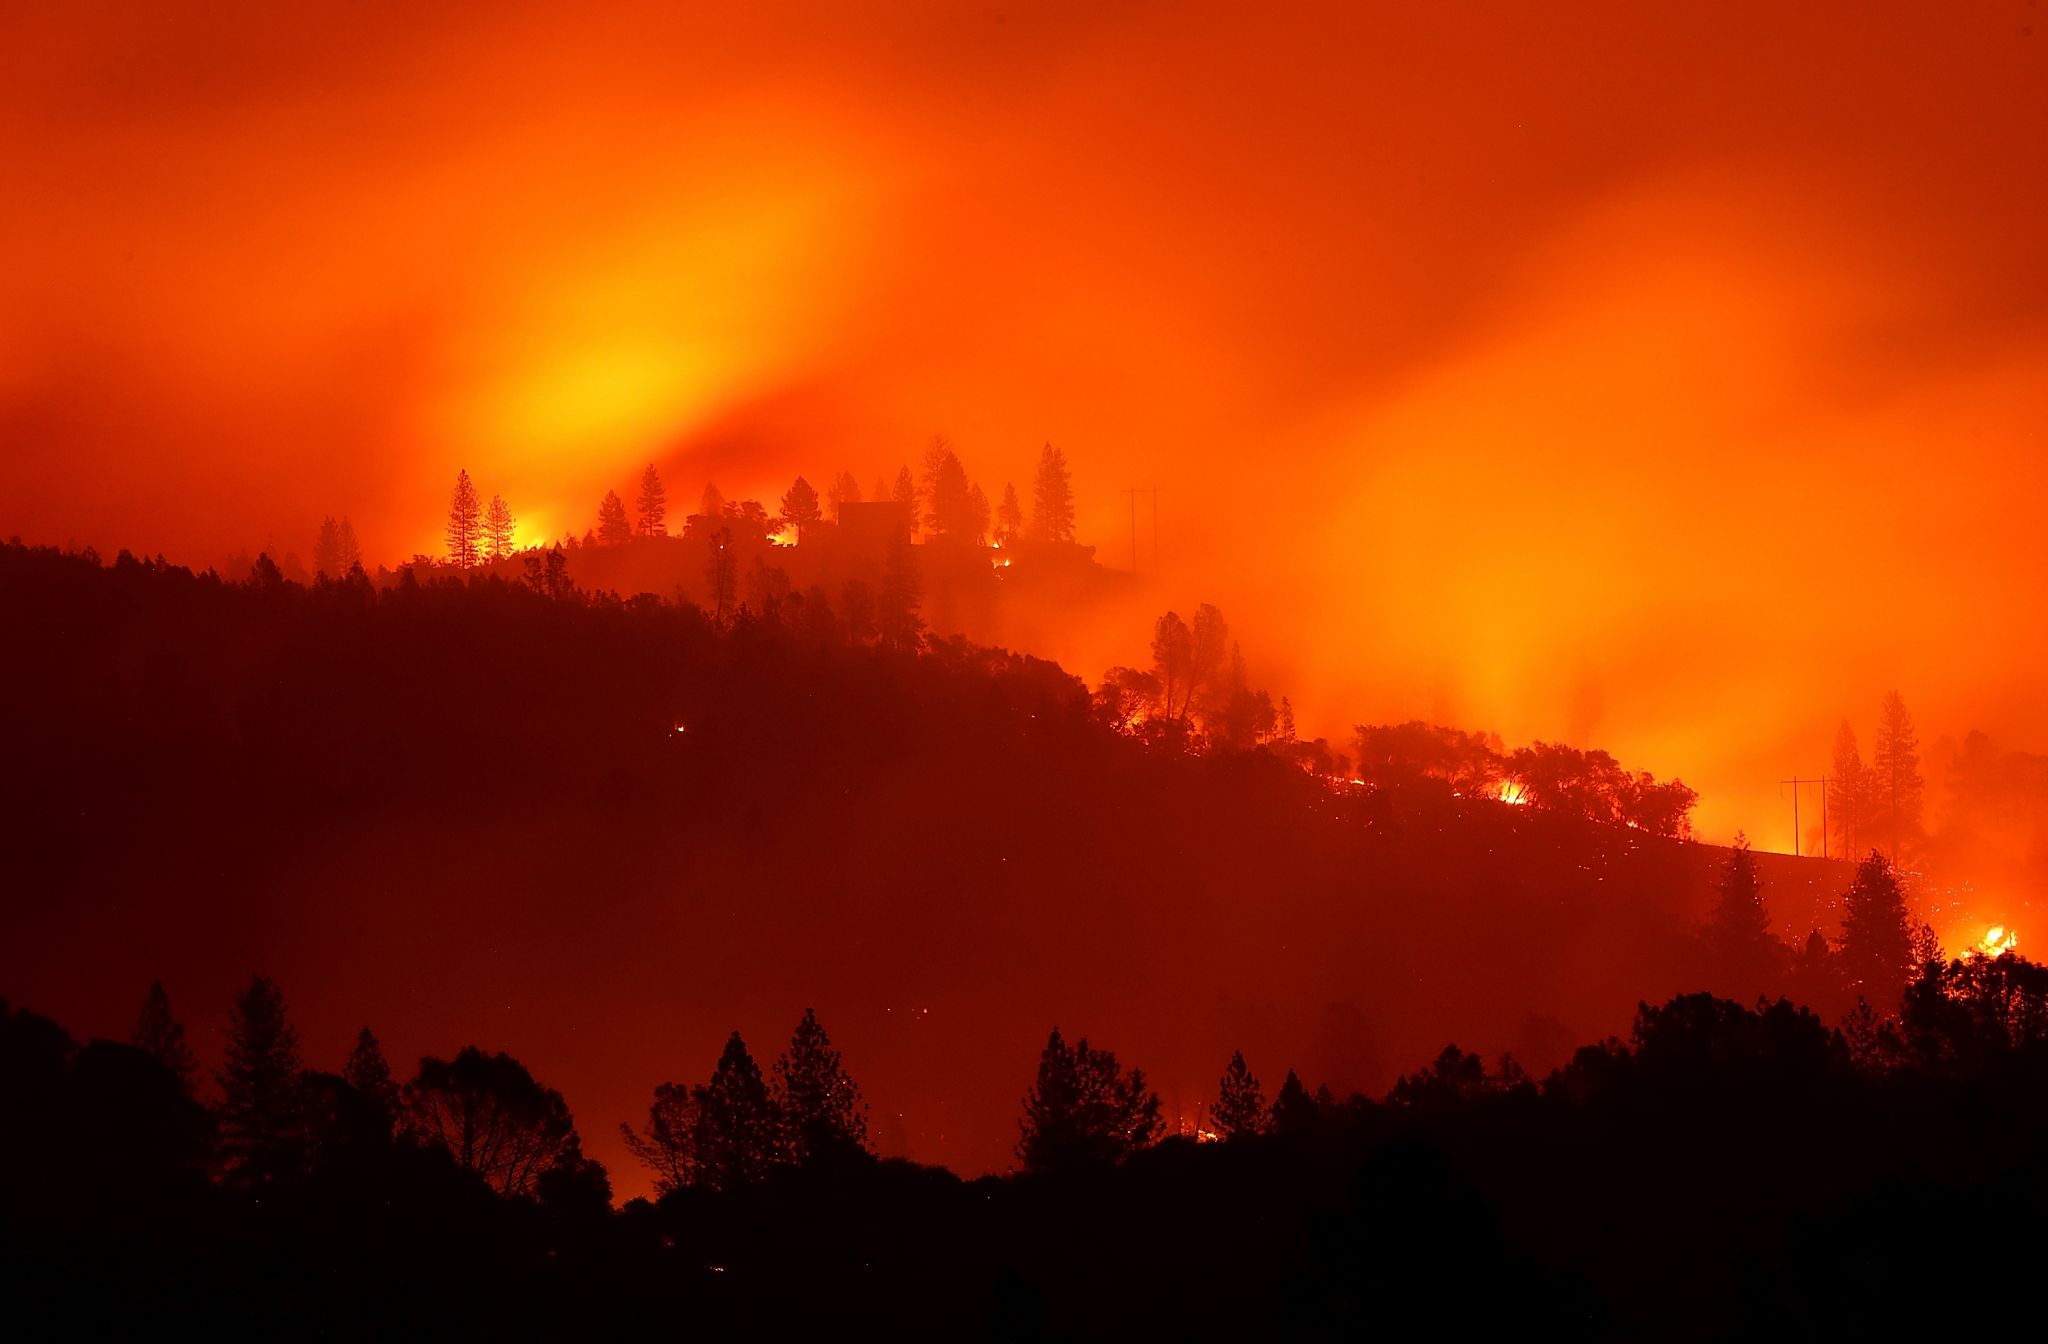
[600, 835]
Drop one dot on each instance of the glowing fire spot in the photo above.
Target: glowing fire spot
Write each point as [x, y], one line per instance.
[1511, 792]
[1997, 940]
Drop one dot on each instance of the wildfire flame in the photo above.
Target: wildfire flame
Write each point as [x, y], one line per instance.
[1997, 941]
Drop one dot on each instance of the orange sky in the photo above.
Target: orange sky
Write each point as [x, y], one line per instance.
[1667, 377]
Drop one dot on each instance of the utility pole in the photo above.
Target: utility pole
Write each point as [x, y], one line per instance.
[1798, 849]
[1132, 493]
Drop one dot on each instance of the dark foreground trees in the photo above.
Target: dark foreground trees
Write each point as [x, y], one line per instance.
[162, 1037]
[1084, 1110]
[1877, 933]
[263, 1099]
[1745, 956]
[1240, 1106]
[741, 1126]
[822, 1114]
[1723, 1171]
[739, 1131]
[493, 1118]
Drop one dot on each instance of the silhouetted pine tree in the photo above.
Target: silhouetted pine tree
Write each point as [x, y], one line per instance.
[1084, 1110]
[739, 1136]
[465, 522]
[1738, 931]
[499, 526]
[896, 607]
[800, 508]
[160, 1034]
[948, 499]
[1926, 945]
[262, 1110]
[327, 550]
[1009, 517]
[350, 551]
[1052, 498]
[653, 504]
[1848, 793]
[1877, 938]
[822, 1111]
[369, 1073]
[613, 527]
[844, 490]
[1294, 1110]
[977, 515]
[555, 574]
[1895, 786]
[1240, 1105]
[905, 492]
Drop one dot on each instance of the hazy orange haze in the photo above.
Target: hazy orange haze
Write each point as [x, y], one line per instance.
[1669, 378]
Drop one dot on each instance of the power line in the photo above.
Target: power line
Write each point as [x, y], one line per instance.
[1797, 842]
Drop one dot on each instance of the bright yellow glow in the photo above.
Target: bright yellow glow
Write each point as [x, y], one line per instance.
[530, 530]
[1997, 940]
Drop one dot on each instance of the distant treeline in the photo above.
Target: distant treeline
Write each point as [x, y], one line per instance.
[1195, 698]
